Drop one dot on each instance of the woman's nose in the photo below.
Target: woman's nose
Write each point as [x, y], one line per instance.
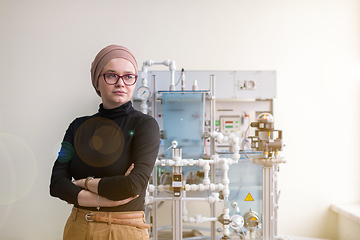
[120, 83]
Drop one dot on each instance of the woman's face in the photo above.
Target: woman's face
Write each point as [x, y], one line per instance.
[114, 96]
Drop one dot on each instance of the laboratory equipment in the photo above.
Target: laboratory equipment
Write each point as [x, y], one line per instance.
[143, 92]
[206, 153]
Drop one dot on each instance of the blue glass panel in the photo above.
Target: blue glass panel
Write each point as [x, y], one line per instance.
[246, 177]
[184, 114]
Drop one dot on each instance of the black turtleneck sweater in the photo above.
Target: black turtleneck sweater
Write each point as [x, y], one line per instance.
[104, 146]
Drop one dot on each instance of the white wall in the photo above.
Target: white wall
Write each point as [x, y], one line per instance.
[46, 48]
[348, 229]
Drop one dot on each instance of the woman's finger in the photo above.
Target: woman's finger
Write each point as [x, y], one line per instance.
[129, 169]
[125, 201]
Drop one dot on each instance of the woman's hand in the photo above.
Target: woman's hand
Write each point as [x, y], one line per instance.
[90, 199]
[124, 201]
[80, 182]
[129, 169]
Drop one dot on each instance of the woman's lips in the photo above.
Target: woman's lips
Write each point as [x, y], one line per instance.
[119, 93]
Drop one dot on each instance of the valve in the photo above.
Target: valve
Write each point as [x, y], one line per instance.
[177, 184]
[223, 221]
[236, 222]
[251, 220]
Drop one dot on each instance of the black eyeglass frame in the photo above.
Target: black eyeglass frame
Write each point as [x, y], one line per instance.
[118, 78]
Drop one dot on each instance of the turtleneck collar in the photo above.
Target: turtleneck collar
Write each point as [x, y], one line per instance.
[115, 112]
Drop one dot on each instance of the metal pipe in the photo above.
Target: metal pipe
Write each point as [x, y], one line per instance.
[276, 198]
[153, 103]
[268, 203]
[162, 199]
[177, 201]
[212, 149]
[154, 210]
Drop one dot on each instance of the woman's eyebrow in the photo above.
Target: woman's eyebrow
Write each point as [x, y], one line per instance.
[125, 72]
[129, 72]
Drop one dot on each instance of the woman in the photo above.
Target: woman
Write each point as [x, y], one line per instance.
[110, 155]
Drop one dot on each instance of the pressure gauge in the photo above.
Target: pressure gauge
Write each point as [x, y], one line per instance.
[143, 92]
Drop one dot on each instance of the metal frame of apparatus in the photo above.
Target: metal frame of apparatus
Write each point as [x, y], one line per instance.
[269, 160]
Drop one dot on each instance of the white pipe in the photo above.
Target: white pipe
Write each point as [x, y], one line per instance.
[169, 63]
[210, 199]
[201, 162]
[206, 169]
[198, 219]
[163, 188]
[225, 180]
[226, 216]
[190, 187]
[165, 162]
[172, 68]
[144, 106]
[144, 75]
[147, 197]
[159, 199]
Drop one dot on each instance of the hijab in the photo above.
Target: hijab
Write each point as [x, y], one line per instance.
[104, 56]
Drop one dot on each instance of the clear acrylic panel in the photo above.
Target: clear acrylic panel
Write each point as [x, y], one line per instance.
[183, 120]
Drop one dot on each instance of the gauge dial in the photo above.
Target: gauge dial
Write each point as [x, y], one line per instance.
[143, 92]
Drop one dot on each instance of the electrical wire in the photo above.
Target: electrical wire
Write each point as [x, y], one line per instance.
[163, 181]
[182, 71]
[168, 149]
[243, 142]
[178, 81]
[240, 229]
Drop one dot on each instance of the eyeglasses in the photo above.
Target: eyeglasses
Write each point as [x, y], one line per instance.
[112, 78]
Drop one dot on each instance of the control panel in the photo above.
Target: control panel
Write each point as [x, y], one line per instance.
[229, 124]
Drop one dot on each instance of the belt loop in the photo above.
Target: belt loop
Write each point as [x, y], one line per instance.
[75, 211]
[109, 218]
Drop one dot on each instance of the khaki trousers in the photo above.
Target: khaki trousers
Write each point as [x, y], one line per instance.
[78, 228]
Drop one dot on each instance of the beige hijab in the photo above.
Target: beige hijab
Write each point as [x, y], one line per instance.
[104, 56]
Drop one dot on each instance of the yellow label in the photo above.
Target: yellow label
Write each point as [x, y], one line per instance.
[249, 198]
[253, 219]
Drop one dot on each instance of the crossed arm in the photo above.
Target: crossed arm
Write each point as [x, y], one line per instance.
[110, 191]
[91, 198]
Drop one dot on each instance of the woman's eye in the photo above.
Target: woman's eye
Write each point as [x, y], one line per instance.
[110, 75]
[128, 77]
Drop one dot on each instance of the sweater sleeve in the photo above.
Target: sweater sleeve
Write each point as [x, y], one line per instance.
[144, 147]
[60, 183]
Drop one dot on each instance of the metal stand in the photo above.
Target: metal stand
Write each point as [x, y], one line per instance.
[268, 202]
[212, 150]
[177, 219]
[154, 205]
[153, 218]
[269, 196]
[177, 199]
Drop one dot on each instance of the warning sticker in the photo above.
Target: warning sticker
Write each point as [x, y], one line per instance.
[249, 198]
